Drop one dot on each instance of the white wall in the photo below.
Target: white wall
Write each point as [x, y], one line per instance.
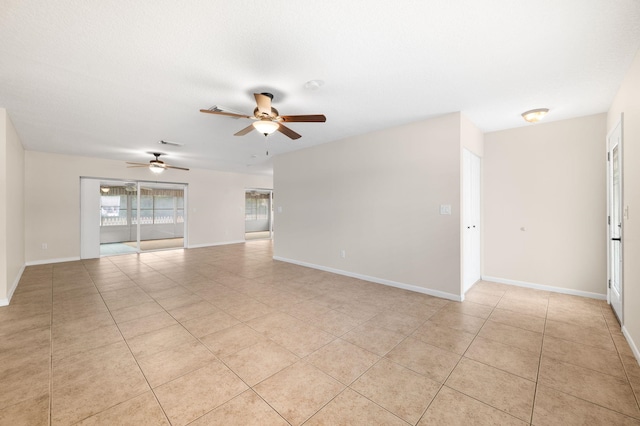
[12, 208]
[377, 197]
[52, 197]
[627, 101]
[550, 179]
[471, 137]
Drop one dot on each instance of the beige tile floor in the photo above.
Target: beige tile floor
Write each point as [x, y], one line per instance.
[225, 335]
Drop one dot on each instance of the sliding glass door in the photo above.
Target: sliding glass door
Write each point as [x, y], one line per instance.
[134, 216]
[161, 216]
[258, 217]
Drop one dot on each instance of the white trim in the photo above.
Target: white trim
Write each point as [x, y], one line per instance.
[383, 281]
[5, 302]
[47, 261]
[632, 344]
[619, 123]
[546, 287]
[224, 243]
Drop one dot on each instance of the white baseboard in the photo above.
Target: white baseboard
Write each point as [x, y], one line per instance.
[546, 287]
[632, 344]
[48, 261]
[376, 280]
[12, 289]
[224, 243]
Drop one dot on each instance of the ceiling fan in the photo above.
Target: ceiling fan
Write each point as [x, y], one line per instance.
[156, 166]
[267, 118]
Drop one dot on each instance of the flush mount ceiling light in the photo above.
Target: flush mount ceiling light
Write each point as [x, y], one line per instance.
[535, 115]
[104, 189]
[265, 126]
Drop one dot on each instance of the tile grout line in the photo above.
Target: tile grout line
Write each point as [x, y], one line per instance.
[535, 393]
[596, 371]
[385, 358]
[624, 366]
[214, 355]
[51, 353]
[443, 384]
[135, 360]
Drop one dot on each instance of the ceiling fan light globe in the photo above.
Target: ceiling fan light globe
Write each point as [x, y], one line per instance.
[266, 127]
[155, 168]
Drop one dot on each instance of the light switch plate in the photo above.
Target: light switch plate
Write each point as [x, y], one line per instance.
[445, 208]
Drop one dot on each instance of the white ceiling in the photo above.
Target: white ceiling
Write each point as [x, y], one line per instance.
[111, 78]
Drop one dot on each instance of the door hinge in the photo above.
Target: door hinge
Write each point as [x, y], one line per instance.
[608, 220]
[608, 156]
[609, 283]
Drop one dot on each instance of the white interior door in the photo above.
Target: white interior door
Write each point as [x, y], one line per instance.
[614, 219]
[470, 219]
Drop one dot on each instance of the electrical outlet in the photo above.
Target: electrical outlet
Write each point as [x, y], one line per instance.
[44, 246]
[343, 253]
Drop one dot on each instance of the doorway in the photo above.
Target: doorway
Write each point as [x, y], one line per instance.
[134, 216]
[615, 291]
[471, 270]
[258, 214]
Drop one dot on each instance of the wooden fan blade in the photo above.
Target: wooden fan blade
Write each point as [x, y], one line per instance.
[137, 164]
[176, 167]
[288, 132]
[317, 118]
[264, 103]
[228, 114]
[244, 131]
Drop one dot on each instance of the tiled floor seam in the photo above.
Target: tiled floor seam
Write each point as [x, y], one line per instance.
[51, 355]
[353, 390]
[463, 356]
[139, 367]
[582, 399]
[624, 365]
[535, 392]
[303, 360]
[544, 337]
[223, 363]
[626, 373]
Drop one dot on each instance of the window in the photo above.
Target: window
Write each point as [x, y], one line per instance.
[146, 210]
[122, 210]
[164, 209]
[256, 206]
[113, 210]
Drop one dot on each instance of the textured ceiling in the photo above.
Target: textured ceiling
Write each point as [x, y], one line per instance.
[111, 78]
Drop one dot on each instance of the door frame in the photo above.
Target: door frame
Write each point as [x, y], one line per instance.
[90, 213]
[270, 209]
[609, 202]
[471, 219]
